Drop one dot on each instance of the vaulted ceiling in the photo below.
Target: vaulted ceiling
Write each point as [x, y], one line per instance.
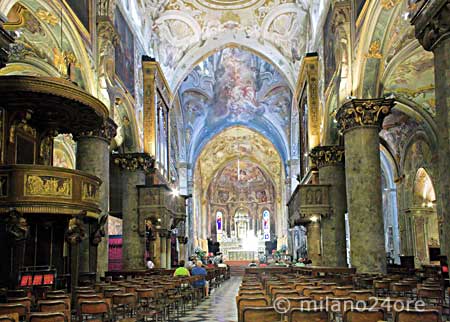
[182, 32]
[235, 87]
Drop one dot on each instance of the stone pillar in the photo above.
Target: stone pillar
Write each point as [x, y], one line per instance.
[93, 157]
[163, 254]
[432, 26]
[169, 252]
[134, 166]
[360, 121]
[330, 162]
[157, 250]
[314, 242]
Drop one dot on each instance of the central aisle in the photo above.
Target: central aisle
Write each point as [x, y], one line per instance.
[220, 306]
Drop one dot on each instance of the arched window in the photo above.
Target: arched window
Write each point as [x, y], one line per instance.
[266, 224]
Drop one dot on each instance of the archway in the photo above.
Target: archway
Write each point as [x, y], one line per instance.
[238, 181]
[424, 220]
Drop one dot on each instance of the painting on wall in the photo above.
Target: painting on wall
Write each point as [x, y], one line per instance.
[329, 39]
[413, 79]
[304, 142]
[124, 52]
[235, 87]
[82, 9]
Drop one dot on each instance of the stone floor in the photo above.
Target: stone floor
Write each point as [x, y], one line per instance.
[219, 307]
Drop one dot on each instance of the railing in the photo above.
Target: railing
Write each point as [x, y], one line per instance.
[51, 190]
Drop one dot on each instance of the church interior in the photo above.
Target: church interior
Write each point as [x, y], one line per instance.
[237, 160]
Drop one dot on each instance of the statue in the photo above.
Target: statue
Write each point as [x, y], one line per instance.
[75, 233]
[99, 232]
[17, 226]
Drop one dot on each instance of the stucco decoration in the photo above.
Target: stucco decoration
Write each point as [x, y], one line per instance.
[235, 87]
[39, 44]
[182, 32]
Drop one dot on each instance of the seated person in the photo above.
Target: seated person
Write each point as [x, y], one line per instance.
[210, 264]
[181, 271]
[199, 270]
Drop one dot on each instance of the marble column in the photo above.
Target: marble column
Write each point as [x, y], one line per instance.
[93, 157]
[135, 167]
[314, 241]
[432, 28]
[359, 120]
[169, 252]
[157, 250]
[163, 254]
[330, 162]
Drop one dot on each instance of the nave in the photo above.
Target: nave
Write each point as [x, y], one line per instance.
[220, 306]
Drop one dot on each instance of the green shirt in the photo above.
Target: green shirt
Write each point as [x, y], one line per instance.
[181, 271]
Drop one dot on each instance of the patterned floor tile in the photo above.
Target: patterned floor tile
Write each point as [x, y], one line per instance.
[219, 307]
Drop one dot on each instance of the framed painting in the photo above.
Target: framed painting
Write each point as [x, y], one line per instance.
[124, 52]
[328, 48]
[82, 9]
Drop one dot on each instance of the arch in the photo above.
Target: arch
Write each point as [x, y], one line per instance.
[74, 39]
[390, 205]
[423, 189]
[197, 54]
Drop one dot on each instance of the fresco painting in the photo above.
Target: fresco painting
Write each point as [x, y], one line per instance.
[245, 90]
[124, 52]
[329, 39]
[414, 79]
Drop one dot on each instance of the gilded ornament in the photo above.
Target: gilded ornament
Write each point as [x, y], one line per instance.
[48, 186]
[322, 156]
[47, 17]
[361, 112]
[89, 192]
[135, 161]
[374, 50]
[389, 4]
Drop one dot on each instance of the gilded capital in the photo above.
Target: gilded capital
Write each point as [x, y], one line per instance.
[107, 131]
[363, 113]
[134, 161]
[327, 155]
[431, 20]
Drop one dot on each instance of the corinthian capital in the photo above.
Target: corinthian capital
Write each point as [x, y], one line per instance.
[327, 155]
[363, 113]
[432, 22]
[106, 132]
[105, 8]
[134, 161]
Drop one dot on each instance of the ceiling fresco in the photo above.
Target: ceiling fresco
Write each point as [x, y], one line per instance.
[39, 42]
[184, 30]
[413, 79]
[235, 87]
[397, 130]
[239, 174]
[238, 143]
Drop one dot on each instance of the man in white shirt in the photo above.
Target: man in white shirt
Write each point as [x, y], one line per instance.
[150, 264]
